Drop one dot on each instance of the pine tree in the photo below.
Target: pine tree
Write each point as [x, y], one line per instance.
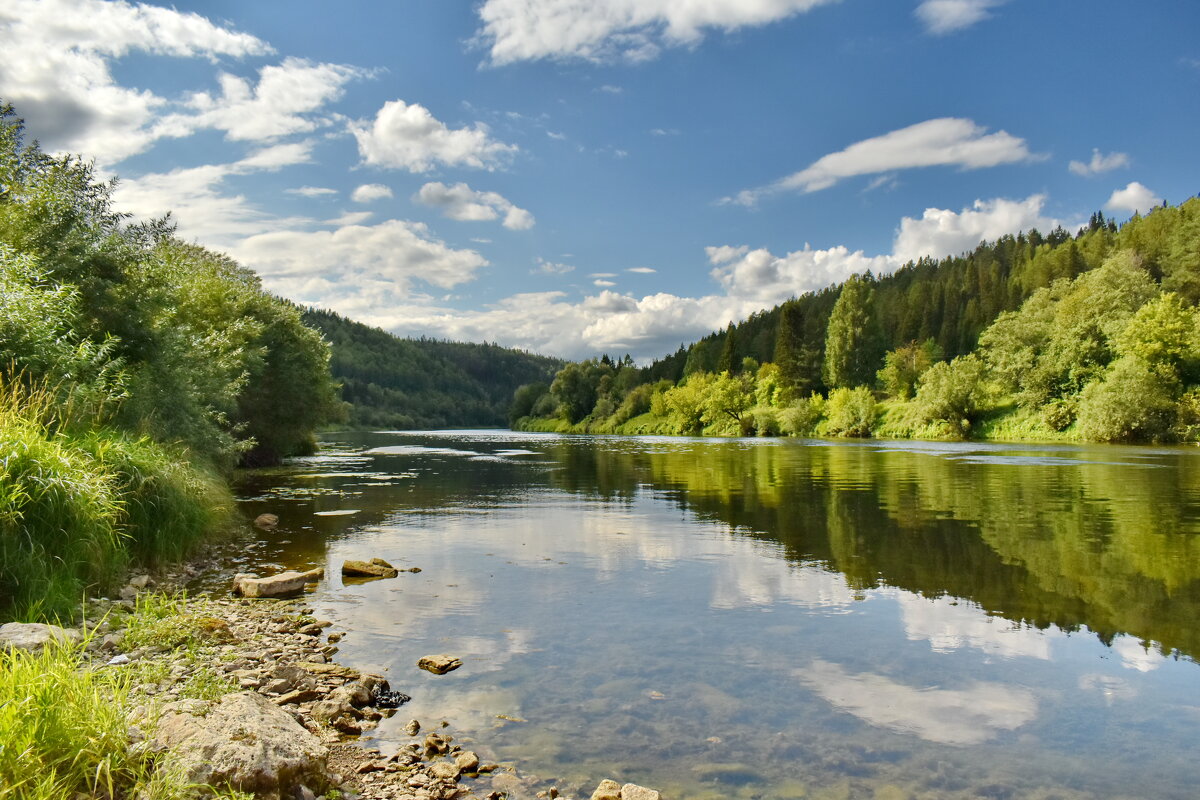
[852, 341]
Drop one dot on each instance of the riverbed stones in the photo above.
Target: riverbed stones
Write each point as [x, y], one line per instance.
[266, 521]
[440, 663]
[243, 741]
[375, 568]
[283, 584]
[607, 790]
[467, 761]
[33, 636]
[611, 790]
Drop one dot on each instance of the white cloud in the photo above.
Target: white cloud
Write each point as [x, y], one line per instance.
[370, 192]
[195, 198]
[1099, 163]
[1133, 198]
[610, 89]
[56, 69]
[759, 276]
[463, 203]
[947, 16]
[545, 267]
[602, 30]
[603, 283]
[942, 232]
[281, 104]
[967, 716]
[312, 191]
[349, 218]
[947, 141]
[394, 253]
[642, 270]
[404, 136]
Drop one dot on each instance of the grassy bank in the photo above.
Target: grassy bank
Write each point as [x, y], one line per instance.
[81, 502]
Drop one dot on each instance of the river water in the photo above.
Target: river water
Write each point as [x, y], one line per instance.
[741, 618]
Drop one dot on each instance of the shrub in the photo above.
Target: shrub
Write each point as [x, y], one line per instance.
[1134, 402]
[802, 417]
[850, 412]
[950, 393]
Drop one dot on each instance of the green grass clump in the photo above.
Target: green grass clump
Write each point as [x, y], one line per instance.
[79, 504]
[62, 729]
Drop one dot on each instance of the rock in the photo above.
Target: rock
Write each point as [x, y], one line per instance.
[118, 661]
[414, 570]
[266, 521]
[141, 582]
[336, 670]
[243, 741]
[412, 727]
[607, 790]
[111, 642]
[297, 696]
[444, 770]
[33, 636]
[128, 593]
[439, 664]
[284, 583]
[467, 761]
[375, 568]
[631, 791]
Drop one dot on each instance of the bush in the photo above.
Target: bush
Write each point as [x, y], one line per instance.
[1134, 402]
[950, 393]
[802, 417]
[765, 420]
[850, 412]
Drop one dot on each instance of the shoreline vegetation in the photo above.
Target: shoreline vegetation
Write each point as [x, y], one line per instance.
[1091, 338]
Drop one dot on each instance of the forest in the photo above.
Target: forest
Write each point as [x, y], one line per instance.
[396, 383]
[136, 372]
[1092, 336]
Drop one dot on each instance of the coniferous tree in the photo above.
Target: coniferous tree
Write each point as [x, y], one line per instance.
[852, 342]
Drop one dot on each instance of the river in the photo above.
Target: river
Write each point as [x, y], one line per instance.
[763, 618]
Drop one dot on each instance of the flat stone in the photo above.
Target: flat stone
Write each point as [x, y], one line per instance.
[33, 636]
[439, 664]
[467, 761]
[607, 790]
[375, 568]
[631, 791]
[298, 696]
[284, 583]
[444, 771]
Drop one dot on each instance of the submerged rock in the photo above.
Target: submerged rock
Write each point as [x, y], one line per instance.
[243, 741]
[33, 636]
[266, 521]
[375, 568]
[439, 664]
[284, 583]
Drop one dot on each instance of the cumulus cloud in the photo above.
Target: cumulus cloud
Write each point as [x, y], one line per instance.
[942, 232]
[197, 201]
[282, 103]
[604, 30]
[370, 192]
[407, 136]
[759, 276]
[946, 16]
[461, 202]
[1134, 198]
[56, 69]
[394, 252]
[947, 141]
[1099, 163]
[968, 716]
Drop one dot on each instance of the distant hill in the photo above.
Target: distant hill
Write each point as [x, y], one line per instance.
[391, 382]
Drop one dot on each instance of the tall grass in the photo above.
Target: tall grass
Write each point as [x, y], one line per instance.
[79, 503]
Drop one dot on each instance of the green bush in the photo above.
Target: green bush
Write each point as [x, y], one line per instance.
[850, 412]
[802, 417]
[1135, 401]
[950, 394]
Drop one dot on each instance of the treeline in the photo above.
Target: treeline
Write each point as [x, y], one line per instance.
[136, 370]
[390, 382]
[1093, 337]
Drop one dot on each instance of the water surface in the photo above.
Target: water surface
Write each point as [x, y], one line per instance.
[770, 618]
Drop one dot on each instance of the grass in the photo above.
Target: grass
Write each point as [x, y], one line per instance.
[79, 503]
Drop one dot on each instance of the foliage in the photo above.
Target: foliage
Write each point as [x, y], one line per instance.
[802, 417]
[1135, 401]
[853, 341]
[850, 412]
[904, 366]
[950, 393]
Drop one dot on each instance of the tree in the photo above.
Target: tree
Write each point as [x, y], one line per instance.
[950, 393]
[904, 366]
[853, 341]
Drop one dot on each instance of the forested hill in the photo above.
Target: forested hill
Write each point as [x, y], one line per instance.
[391, 382]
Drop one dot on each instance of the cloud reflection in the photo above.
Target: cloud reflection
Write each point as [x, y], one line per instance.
[946, 716]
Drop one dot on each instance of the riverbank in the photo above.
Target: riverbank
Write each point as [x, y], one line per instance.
[219, 696]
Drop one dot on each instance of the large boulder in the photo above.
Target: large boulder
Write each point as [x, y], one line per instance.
[375, 568]
[244, 742]
[33, 636]
[283, 584]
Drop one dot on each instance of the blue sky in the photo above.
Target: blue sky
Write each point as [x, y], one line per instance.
[613, 175]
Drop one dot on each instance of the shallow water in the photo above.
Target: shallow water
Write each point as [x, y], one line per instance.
[770, 618]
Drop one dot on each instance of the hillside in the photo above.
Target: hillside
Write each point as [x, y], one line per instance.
[390, 382]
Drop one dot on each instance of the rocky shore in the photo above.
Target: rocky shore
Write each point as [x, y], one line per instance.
[242, 693]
